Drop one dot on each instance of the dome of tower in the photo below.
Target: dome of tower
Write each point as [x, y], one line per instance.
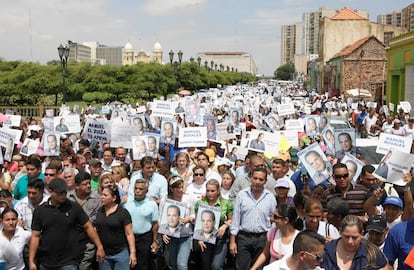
[128, 46]
[157, 46]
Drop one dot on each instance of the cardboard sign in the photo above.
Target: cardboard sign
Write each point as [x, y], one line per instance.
[207, 223]
[163, 108]
[171, 226]
[294, 125]
[29, 147]
[121, 134]
[316, 163]
[68, 124]
[285, 109]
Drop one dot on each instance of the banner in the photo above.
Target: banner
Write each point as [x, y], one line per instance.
[97, 130]
[388, 141]
[192, 137]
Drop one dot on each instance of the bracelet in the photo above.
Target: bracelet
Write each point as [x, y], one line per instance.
[407, 188]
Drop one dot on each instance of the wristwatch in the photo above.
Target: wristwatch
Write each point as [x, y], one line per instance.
[156, 241]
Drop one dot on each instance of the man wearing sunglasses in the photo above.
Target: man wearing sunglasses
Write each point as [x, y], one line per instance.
[307, 253]
[354, 194]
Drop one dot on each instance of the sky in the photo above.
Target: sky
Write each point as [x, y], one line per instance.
[31, 30]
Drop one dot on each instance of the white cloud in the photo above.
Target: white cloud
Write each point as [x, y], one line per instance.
[171, 7]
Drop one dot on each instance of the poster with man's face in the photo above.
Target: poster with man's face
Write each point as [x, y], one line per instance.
[67, 124]
[51, 144]
[328, 136]
[345, 142]
[168, 134]
[139, 147]
[138, 123]
[354, 166]
[316, 163]
[207, 223]
[210, 123]
[171, 213]
[311, 125]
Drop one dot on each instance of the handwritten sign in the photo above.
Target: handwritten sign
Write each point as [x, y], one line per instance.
[163, 108]
[97, 130]
[285, 109]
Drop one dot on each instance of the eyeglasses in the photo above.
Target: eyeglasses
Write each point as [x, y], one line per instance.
[49, 174]
[277, 216]
[339, 176]
[318, 257]
[199, 174]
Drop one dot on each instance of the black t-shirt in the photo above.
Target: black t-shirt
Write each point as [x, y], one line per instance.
[111, 229]
[59, 238]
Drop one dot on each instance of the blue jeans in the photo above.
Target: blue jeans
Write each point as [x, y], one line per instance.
[118, 261]
[179, 252]
[66, 267]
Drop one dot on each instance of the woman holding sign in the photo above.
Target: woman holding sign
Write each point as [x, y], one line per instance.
[212, 255]
[178, 248]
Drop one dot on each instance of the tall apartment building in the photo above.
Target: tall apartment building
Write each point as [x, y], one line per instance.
[112, 55]
[78, 52]
[393, 18]
[407, 17]
[291, 42]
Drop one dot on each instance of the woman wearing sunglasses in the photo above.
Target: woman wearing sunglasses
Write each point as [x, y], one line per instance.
[197, 188]
[280, 238]
[352, 251]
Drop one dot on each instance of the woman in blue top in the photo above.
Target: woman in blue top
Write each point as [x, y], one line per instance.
[352, 251]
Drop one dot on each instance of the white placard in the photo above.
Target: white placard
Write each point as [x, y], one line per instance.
[16, 133]
[406, 106]
[192, 137]
[294, 125]
[391, 106]
[105, 110]
[51, 144]
[285, 109]
[210, 215]
[14, 121]
[354, 166]
[371, 104]
[262, 141]
[291, 136]
[68, 124]
[29, 147]
[388, 141]
[163, 108]
[316, 163]
[97, 130]
[121, 134]
[393, 166]
[224, 132]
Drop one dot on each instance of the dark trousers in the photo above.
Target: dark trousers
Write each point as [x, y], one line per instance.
[143, 250]
[249, 247]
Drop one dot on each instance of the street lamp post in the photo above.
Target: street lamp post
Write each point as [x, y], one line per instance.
[206, 64]
[180, 56]
[171, 54]
[191, 59]
[199, 61]
[63, 54]
[212, 64]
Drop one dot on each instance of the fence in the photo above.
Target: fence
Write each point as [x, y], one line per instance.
[30, 111]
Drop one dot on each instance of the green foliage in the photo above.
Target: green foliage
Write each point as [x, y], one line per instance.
[284, 72]
[25, 83]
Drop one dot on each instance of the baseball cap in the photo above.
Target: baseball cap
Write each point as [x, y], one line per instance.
[282, 183]
[377, 223]
[58, 185]
[175, 179]
[93, 162]
[224, 162]
[394, 200]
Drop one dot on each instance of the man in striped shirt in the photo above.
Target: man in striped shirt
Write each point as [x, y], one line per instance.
[354, 194]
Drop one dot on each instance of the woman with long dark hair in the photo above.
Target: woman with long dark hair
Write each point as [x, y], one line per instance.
[280, 238]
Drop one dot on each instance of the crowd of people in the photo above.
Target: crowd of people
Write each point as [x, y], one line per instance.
[96, 206]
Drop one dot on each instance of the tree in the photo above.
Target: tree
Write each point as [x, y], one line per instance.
[285, 72]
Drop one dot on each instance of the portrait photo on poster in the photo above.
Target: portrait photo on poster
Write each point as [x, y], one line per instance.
[393, 166]
[168, 131]
[170, 216]
[354, 166]
[345, 142]
[316, 163]
[311, 125]
[207, 223]
[51, 144]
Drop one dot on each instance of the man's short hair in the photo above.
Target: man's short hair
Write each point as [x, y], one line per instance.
[307, 241]
[345, 134]
[173, 206]
[262, 170]
[82, 176]
[338, 207]
[339, 166]
[367, 169]
[279, 161]
[146, 160]
[141, 181]
[36, 184]
[35, 162]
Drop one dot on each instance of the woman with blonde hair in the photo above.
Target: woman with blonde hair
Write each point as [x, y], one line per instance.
[107, 179]
[182, 167]
[121, 177]
[352, 251]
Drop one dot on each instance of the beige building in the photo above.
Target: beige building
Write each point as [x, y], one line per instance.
[227, 61]
[142, 57]
[128, 55]
[157, 53]
[344, 29]
[407, 17]
[393, 18]
[291, 42]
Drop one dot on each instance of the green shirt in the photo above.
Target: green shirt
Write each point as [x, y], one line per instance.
[225, 205]
[94, 184]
